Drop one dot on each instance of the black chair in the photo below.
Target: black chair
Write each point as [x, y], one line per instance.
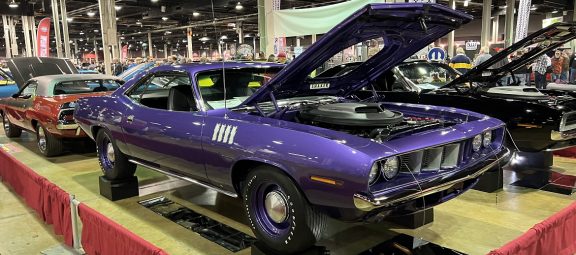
[180, 98]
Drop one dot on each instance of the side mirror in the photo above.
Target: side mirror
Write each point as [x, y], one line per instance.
[15, 95]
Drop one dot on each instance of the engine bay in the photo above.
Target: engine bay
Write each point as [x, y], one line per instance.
[368, 120]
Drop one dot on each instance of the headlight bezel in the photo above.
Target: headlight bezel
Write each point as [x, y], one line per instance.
[487, 138]
[375, 173]
[384, 164]
[477, 142]
[383, 170]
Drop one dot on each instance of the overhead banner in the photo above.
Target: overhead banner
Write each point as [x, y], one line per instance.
[43, 38]
[318, 20]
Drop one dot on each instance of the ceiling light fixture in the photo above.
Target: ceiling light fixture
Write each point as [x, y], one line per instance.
[164, 18]
[154, 1]
[13, 4]
[91, 13]
[70, 19]
[195, 14]
[555, 11]
[466, 3]
[118, 7]
[239, 6]
[204, 39]
[138, 22]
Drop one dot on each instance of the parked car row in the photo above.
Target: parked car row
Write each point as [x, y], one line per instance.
[355, 143]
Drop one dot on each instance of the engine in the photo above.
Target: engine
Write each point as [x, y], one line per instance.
[370, 120]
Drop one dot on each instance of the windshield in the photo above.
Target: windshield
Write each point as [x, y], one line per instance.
[427, 75]
[85, 86]
[240, 84]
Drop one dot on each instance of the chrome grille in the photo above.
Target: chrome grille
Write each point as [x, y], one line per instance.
[568, 121]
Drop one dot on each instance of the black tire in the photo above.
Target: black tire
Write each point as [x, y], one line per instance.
[114, 164]
[48, 144]
[10, 129]
[297, 228]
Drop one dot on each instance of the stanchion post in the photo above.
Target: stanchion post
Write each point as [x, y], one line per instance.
[75, 232]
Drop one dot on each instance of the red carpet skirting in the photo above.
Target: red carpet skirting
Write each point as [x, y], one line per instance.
[555, 235]
[100, 235]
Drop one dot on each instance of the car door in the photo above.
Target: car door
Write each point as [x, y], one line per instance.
[166, 138]
[17, 106]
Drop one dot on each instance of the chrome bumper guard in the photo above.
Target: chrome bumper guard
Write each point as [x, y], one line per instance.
[365, 203]
[562, 135]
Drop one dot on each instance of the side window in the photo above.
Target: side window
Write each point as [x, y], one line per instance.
[29, 90]
[154, 91]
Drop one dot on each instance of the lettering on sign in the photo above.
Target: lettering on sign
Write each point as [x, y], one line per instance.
[320, 86]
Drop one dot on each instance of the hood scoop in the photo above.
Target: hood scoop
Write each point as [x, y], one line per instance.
[516, 92]
[352, 114]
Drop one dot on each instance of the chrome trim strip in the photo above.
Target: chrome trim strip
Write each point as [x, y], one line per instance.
[365, 203]
[186, 178]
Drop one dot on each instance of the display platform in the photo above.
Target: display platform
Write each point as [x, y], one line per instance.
[473, 223]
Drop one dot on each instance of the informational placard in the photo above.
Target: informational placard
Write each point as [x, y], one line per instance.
[436, 54]
[472, 45]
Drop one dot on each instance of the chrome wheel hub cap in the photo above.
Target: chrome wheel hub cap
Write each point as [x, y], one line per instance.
[276, 206]
[41, 139]
[110, 152]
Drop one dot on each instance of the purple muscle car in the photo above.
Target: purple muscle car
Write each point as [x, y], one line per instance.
[296, 151]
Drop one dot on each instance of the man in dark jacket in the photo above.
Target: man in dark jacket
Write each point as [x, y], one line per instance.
[461, 62]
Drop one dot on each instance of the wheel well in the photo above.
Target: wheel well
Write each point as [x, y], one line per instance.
[241, 169]
[94, 131]
[34, 123]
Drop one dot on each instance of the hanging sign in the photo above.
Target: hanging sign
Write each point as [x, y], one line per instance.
[472, 45]
[43, 38]
[124, 52]
[279, 45]
[436, 54]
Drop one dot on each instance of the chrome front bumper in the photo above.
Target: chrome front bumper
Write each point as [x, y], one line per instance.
[562, 135]
[365, 203]
[66, 126]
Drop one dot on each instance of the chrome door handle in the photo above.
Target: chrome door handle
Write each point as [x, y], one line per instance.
[130, 118]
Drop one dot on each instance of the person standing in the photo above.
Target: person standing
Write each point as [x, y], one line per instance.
[522, 74]
[483, 55]
[572, 68]
[539, 67]
[461, 62]
[557, 64]
[566, 65]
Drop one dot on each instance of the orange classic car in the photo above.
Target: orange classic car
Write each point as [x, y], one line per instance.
[44, 105]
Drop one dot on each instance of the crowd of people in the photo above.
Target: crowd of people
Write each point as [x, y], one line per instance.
[560, 66]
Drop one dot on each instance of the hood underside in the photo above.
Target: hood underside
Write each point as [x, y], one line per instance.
[404, 28]
[23, 69]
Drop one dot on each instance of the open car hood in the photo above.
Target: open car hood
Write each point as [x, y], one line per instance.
[405, 29]
[543, 40]
[23, 69]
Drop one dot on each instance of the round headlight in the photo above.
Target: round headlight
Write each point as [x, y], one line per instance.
[477, 143]
[390, 167]
[374, 172]
[487, 139]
